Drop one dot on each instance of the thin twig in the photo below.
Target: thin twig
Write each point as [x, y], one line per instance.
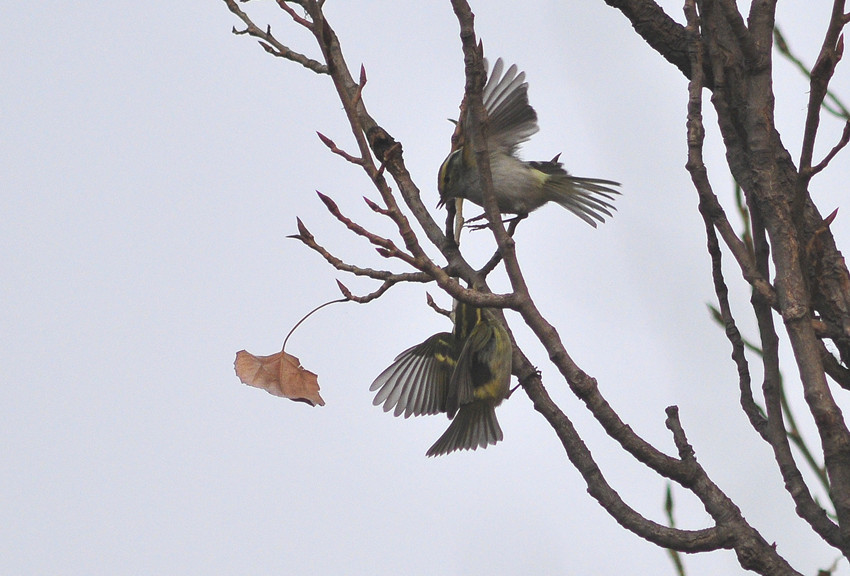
[819, 78]
[340, 152]
[307, 238]
[389, 283]
[295, 17]
[433, 305]
[845, 138]
[387, 247]
[712, 213]
[270, 44]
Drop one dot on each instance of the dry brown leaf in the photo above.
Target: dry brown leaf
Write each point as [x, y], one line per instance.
[280, 374]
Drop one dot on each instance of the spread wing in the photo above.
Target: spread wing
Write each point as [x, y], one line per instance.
[512, 119]
[417, 380]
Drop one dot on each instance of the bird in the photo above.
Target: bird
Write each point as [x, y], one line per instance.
[480, 382]
[519, 187]
[464, 373]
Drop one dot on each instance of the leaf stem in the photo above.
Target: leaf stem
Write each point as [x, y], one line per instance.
[310, 313]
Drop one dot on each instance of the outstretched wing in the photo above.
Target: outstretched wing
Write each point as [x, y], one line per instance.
[417, 380]
[512, 120]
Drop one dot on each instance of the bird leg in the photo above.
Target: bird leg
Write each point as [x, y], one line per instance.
[512, 222]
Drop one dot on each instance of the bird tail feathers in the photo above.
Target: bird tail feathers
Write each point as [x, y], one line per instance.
[474, 426]
[588, 198]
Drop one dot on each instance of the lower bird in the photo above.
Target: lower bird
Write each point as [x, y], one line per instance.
[465, 373]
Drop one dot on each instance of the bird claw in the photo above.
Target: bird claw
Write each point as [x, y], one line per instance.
[513, 220]
[534, 374]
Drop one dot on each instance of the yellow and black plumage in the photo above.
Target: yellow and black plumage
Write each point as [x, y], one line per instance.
[465, 373]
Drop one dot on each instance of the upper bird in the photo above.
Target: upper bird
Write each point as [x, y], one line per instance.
[519, 187]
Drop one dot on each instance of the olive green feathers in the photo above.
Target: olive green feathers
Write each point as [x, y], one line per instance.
[464, 374]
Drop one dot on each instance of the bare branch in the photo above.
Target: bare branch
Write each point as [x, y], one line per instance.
[370, 136]
[475, 76]
[713, 215]
[754, 552]
[767, 428]
[359, 161]
[433, 305]
[270, 43]
[295, 17]
[368, 297]
[845, 138]
[387, 247]
[709, 204]
[748, 404]
[597, 486]
[778, 412]
[307, 238]
[686, 451]
[821, 74]
[661, 32]
[743, 99]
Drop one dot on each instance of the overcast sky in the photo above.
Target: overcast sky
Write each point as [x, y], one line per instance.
[152, 165]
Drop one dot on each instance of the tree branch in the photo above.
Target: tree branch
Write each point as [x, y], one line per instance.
[743, 99]
[661, 32]
[270, 44]
[822, 71]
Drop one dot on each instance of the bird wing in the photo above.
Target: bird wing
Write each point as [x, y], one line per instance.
[416, 382]
[512, 120]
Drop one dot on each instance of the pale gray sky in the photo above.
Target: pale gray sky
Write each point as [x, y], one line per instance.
[151, 166]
